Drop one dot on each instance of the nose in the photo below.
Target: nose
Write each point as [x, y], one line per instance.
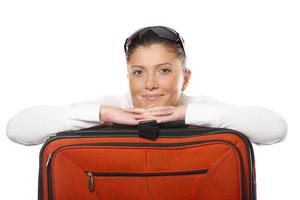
[151, 82]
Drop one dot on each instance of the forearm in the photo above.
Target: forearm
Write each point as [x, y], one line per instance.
[260, 125]
[33, 125]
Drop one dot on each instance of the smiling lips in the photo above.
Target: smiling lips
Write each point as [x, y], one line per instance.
[152, 97]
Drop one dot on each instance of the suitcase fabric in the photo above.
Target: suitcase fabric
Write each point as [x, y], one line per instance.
[183, 163]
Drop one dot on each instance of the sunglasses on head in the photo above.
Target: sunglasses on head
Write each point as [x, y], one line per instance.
[160, 31]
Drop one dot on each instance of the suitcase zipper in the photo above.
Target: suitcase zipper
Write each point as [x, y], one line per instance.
[48, 159]
[91, 175]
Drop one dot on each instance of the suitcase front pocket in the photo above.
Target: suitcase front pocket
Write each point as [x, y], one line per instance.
[150, 185]
[91, 175]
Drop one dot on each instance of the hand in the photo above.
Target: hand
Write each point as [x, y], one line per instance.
[110, 114]
[161, 114]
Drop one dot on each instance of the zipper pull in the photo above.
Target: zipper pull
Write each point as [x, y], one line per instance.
[91, 181]
[49, 158]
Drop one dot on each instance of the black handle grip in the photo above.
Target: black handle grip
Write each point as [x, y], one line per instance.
[150, 129]
[147, 129]
[174, 124]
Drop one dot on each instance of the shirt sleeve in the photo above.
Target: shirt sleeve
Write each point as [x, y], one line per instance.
[260, 125]
[34, 124]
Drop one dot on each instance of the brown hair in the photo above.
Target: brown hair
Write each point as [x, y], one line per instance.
[150, 38]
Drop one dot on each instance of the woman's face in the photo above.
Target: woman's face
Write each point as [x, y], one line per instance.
[156, 76]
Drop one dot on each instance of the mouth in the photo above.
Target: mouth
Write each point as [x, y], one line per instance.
[152, 97]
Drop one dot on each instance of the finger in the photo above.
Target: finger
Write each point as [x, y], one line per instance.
[135, 110]
[165, 119]
[135, 115]
[149, 110]
[147, 119]
[160, 108]
[138, 117]
[159, 113]
[133, 122]
[159, 119]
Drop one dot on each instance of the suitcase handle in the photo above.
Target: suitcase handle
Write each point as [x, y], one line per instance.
[149, 129]
[174, 124]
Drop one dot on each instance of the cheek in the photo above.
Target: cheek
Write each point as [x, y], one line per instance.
[172, 83]
[135, 84]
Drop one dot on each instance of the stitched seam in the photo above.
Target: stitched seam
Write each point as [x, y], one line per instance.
[81, 170]
[211, 169]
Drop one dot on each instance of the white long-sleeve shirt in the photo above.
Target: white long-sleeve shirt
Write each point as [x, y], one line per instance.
[34, 124]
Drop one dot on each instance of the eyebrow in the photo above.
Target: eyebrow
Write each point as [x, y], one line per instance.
[154, 66]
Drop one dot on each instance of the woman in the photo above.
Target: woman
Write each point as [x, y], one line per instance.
[157, 77]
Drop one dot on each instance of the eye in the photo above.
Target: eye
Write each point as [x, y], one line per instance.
[165, 70]
[137, 72]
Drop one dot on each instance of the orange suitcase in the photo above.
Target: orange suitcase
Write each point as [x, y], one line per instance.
[170, 161]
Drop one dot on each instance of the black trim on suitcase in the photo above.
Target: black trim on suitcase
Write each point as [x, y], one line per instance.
[131, 144]
[168, 133]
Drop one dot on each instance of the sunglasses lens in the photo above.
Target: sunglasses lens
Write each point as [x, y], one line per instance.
[166, 33]
[132, 37]
[161, 31]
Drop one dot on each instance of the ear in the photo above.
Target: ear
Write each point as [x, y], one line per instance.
[186, 78]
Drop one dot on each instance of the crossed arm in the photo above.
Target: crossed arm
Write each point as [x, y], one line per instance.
[33, 125]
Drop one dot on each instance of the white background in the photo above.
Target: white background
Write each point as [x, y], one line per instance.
[241, 52]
